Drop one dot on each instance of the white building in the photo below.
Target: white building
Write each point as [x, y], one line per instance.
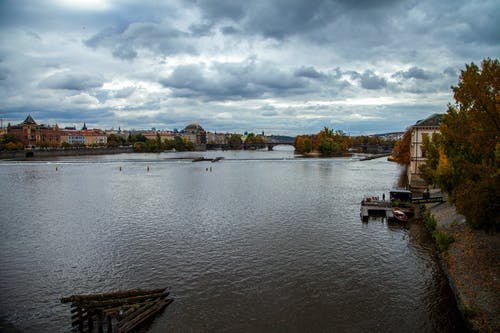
[421, 129]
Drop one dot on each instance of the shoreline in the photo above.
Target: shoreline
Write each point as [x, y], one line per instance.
[471, 266]
[22, 155]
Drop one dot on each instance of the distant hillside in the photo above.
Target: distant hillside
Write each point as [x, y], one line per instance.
[280, 138]
[392, 135]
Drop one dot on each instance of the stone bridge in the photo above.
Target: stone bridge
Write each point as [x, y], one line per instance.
[270, 144]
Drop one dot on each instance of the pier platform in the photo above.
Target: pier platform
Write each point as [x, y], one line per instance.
[370, 207]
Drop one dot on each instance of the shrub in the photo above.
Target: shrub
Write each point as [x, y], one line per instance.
[429, 221]
[443, 240]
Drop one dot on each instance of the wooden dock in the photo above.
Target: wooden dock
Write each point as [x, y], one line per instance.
[116, 312]
[376, 208]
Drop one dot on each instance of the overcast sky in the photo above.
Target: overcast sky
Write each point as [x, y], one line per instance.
[279, 66]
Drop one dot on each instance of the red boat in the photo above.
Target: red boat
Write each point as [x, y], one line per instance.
[399, 215]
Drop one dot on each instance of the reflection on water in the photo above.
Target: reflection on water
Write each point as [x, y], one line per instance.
[262, 242]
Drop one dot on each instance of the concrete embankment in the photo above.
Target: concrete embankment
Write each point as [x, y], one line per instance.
[471, 264]
[44, 153]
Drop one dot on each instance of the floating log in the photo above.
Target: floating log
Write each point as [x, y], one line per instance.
[119, 311]
[142, 316]
[114, 294]
[117, 301]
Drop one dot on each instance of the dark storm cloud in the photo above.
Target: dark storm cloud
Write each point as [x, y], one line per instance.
[222, 9]
[369, 80]
[232, 81]
[450, 71]
[71, 81]
[201, 29]
[269, 111]
[481, 22]
[229, 30]
[414, 73]
[284, 18]
[4, 74]
[310, 72]
[158, 38]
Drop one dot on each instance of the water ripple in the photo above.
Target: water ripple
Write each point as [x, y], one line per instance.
[258, 244]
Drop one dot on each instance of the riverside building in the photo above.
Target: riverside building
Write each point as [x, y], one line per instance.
[422, 128]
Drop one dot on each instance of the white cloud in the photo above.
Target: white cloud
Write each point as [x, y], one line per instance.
[83, 99]
[234, 65]
[92, 5]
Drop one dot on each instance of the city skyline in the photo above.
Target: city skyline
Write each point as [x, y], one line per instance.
[283, 67]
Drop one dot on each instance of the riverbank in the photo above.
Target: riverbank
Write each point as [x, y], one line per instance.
[472, 268]
[45, 153]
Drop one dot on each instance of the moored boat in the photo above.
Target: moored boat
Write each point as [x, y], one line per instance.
[399, 215]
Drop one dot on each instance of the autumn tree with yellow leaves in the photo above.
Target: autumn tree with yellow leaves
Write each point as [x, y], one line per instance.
[464, 160]
[327, 143]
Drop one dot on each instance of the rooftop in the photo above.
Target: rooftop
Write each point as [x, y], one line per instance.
[432, 120]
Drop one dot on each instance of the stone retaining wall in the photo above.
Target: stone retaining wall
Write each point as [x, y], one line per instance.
[42, 153]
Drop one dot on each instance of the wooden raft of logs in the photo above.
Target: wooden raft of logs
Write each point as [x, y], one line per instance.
[116, 312]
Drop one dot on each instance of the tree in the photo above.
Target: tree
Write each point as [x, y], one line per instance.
[257, 141]
[169, 144]
[140, 138]
[115, 140]
[327, 142]
[401, 151]
[468, 166]
[13, 146]
[11, 142]
[235, 141]
[151, 146]
[432, 147]
[303, 144]
[182, 144]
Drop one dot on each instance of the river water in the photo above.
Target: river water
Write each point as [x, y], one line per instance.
[258, 242]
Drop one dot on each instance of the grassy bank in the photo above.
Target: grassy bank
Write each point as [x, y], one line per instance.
[469, 259]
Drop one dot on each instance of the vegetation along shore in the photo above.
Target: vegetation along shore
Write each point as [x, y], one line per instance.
[462, 160]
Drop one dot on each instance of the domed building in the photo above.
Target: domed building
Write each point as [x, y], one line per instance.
[197, 135]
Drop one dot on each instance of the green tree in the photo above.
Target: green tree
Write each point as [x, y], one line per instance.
[432, 147]
[139, 147]
[182, 144]
[257, 141]
[10, 142]
[12, 146]
[169, 144]
[151, 146]
[468, 168]
[140, 138]
[159, 144]
[235, 141]
[303, 144]
[115, 140]
[327, 142]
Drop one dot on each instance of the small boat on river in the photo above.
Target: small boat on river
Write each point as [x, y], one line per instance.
[399, 215]
[398, 207]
